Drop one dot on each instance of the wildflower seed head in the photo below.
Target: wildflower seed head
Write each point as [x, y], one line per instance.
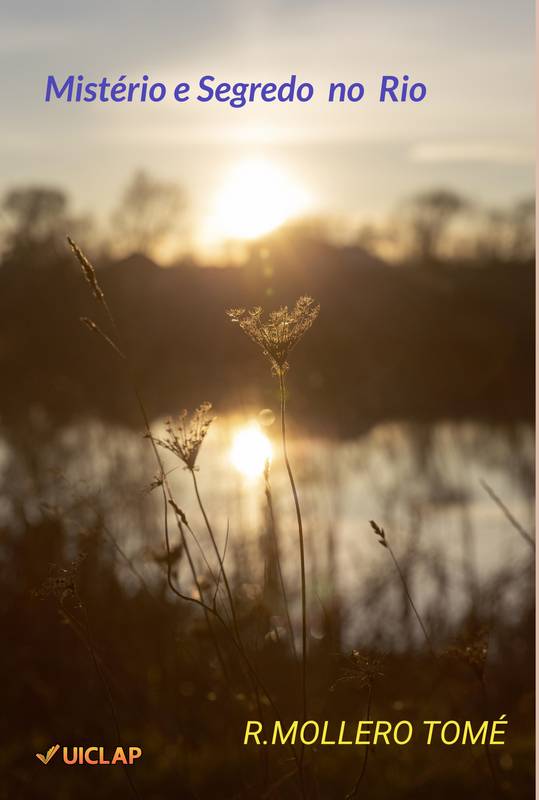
[280, 332]
[472, 652]
[61, 584]
[361, 670]
[185, 436]
[87, 270]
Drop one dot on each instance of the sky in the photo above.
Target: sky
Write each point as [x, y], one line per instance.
[474, 133]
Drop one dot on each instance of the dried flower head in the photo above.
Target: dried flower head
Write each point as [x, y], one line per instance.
[280, 333]
[88, 270]
[185, 436]
[61, 584]
[362, 671]
[472, 652]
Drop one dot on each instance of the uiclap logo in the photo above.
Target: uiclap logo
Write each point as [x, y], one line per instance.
[94, 755]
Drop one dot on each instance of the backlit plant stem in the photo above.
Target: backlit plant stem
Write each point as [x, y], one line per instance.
[217, 553]
[227, 587]
[277, 556]
[383, 540]
[282, 389]
[85, 635]
[355, 790]
[410, 600]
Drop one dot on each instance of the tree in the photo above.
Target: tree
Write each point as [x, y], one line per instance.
[150, 210]
[523, 215]
[430, 215]
[35, 214]
[382, 239]
[508, 234]
[38, 217]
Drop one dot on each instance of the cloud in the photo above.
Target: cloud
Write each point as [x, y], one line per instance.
[480, 151]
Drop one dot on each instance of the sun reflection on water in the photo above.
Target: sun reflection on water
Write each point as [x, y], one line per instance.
[250, 451]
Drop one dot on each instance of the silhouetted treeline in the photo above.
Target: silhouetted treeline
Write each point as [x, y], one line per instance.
[411, 343]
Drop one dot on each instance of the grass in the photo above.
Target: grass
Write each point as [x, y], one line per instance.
[221, 659]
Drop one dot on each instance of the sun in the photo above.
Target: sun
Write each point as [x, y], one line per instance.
[255, 197]
[250, 451]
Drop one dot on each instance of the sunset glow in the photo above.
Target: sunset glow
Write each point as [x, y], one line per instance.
[255, 197]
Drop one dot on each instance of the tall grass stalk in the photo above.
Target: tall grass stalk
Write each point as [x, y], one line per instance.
[230, 596]
[353, 793]
[383, 540]
[509, 516]
[99, 295]
[85, 634]
[91, 278]
[220, 559]
[277, 556]
[301, 542]
[196, 582]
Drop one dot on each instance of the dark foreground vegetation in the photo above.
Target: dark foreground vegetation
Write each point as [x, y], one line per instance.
[173, 700]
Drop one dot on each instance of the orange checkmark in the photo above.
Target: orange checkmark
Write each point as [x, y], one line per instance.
[50, 753]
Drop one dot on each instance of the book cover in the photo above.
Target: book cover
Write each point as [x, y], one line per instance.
[267, 461]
